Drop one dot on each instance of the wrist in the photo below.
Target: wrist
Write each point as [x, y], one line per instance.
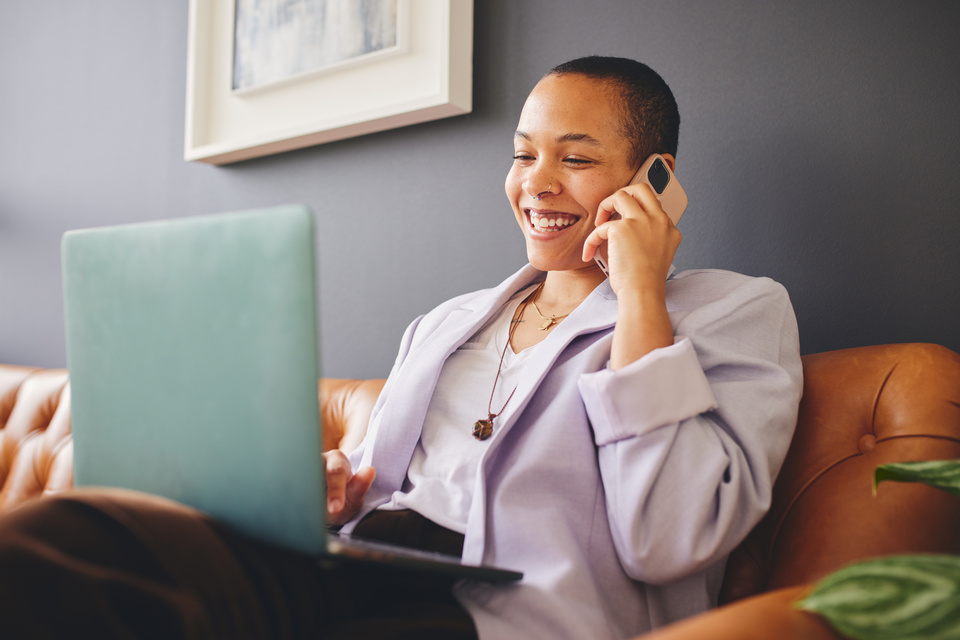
[643, 324]
[640, 300]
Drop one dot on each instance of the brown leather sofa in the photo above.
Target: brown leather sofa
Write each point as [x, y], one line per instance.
[861, 407]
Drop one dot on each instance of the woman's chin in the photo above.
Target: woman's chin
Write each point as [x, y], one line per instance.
[553, 263]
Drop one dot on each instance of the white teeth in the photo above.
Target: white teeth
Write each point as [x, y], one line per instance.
[544, 222]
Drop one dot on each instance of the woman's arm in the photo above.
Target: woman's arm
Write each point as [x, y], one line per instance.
[641, 243]
[691, 436]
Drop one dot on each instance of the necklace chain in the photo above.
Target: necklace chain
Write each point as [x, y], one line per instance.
[483, 429]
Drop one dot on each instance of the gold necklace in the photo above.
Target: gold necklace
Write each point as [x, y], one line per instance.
[552, 320]
[483, 428]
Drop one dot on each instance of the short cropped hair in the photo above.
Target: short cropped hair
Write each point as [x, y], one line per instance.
[651, 120]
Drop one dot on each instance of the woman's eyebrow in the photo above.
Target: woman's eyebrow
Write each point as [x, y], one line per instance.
[580, 137]
[567, 137]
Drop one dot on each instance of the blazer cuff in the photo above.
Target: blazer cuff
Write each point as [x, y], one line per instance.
[663, 387]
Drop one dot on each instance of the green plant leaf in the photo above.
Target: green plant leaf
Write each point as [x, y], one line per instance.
[913, 597]
[942, 474]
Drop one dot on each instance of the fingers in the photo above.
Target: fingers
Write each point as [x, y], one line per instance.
[638, 206]
[357, 489]
[345, 490]
[641, 244]
[596, 238]
[633, 201]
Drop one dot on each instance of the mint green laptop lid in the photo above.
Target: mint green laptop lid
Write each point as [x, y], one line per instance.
[193, 358]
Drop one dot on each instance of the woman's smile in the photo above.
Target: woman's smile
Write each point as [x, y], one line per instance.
[550, 221]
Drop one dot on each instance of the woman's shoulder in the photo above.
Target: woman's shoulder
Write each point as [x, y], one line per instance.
[699, 287]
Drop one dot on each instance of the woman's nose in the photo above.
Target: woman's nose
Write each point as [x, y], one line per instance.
[539, 184]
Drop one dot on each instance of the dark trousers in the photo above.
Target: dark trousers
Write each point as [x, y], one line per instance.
[106, 564]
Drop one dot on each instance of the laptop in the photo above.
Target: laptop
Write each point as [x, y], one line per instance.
[193, 355]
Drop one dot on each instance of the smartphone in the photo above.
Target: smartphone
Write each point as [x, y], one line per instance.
[656, 173]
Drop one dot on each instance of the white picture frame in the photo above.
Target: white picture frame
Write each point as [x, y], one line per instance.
[430, 78]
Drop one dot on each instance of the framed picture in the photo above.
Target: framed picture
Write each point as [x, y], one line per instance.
[266, 76]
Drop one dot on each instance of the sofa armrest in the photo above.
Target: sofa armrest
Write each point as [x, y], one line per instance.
[762, 617]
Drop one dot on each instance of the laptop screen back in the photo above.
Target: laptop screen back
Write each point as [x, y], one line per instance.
[193, 357]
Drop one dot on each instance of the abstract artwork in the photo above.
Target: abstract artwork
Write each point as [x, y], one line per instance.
[277, 40]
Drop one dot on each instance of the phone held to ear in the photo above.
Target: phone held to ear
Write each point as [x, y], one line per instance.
[656, 173]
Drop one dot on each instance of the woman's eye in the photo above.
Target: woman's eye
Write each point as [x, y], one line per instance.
[527, 158]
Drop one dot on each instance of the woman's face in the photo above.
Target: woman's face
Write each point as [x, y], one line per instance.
[568, 149]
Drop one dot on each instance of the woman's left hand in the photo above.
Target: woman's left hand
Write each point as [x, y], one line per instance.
[641, 242]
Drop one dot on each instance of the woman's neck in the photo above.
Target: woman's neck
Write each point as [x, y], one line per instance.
[563, 291]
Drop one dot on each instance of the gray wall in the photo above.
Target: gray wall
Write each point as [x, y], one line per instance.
[819, 146]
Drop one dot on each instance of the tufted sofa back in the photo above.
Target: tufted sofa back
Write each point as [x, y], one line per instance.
[36, 449]
[861, 407]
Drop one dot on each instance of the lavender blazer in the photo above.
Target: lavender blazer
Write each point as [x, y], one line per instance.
[619, 494]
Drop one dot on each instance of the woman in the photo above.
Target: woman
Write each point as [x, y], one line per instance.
[613, 438]
[635, 438]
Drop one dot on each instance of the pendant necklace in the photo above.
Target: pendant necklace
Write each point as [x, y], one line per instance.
[548, 322]
[483, 428]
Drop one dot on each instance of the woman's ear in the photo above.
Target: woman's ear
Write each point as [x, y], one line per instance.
[670, 160]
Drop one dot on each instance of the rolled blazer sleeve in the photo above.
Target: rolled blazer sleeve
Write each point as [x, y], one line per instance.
[643, 396]
[690, 437]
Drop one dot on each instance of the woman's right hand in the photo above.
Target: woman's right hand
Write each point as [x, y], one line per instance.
[345, 489]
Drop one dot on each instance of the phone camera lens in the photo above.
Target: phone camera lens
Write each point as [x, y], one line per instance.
[658, 176]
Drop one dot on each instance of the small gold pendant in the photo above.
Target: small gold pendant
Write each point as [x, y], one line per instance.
[482, 429]
[548, 323]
